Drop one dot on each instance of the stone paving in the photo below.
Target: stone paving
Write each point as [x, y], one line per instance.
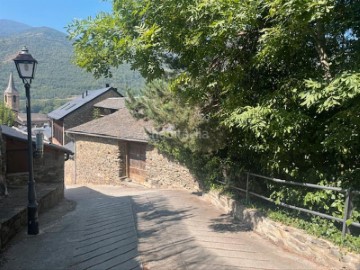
[138, 228]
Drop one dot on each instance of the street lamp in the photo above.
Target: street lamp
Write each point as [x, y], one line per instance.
[26, 66]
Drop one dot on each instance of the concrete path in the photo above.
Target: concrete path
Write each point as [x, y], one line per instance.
[137, 228]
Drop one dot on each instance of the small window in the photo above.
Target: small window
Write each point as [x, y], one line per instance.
[14, 99]
[5, 99]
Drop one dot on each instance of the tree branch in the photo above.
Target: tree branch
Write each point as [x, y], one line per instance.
[320, 42]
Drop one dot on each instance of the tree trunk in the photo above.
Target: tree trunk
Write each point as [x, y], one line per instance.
[320, 45]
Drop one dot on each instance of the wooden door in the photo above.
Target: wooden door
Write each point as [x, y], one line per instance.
[137, 161]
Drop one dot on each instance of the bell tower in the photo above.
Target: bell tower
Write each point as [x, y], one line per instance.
[11, 96]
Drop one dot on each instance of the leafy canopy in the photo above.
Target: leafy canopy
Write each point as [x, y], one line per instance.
[275, 81]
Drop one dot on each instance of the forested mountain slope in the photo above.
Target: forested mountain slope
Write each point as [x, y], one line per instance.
[56, 77]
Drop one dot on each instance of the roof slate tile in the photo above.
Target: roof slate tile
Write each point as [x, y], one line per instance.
[120, 125]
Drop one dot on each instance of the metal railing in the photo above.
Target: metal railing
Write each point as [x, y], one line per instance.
[347, 205]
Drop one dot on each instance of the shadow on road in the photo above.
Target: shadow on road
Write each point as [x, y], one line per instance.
[135, 228]
[226, 223]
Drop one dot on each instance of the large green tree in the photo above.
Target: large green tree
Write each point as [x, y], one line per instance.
[274, 83]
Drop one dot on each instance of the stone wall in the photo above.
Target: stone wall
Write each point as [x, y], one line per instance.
[17, 179]
[98, 161]
[166, 173]
[85, 113]
[103, 161]
[48, 195]
[292, 239]
[48, 169]
[70, 172]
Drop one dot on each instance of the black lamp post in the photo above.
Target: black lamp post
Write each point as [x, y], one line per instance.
[26, 66]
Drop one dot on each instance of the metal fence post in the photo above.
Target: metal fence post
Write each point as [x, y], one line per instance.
[247, 187]
[347, 211]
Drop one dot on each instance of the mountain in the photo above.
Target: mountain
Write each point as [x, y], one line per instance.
[8, 27]
[56, 78]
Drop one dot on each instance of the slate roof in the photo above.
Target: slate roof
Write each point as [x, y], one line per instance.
[12, 132]
[36, 118]
[118, 125]
[16, 134]
[76, 103]
[112, 103]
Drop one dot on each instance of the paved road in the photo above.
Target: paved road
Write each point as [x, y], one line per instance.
[137, 228]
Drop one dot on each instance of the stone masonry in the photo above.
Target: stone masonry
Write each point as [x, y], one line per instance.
[13, 212]
[48, 169]
[290, 238]
[166, 173]
[98, 161]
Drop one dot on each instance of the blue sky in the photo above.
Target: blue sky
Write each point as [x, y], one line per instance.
[51, 13]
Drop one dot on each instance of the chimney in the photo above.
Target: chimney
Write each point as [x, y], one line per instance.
[107, 85]
[82, 95]
[86, 93]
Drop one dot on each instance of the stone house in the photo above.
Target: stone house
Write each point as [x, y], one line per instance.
[76, 112]
[48, 169]
[115, 147]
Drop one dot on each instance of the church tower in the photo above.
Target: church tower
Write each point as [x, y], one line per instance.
[11, 96]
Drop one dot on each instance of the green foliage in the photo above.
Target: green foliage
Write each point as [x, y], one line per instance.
[323, 228]
[274, 83]
[7, 116]
[43, 105]
[176, 119]
[96, 113]
[180, 132]
[316, 226]
[329, 96]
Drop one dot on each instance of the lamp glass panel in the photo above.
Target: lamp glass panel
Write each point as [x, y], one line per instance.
[26, 69]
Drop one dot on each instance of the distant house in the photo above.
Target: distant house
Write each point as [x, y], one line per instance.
[115, 147]
[12, 101]
[49, 168]
[76, 112]
[37, 119]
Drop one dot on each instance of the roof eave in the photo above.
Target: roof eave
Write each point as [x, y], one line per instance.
[106, 136]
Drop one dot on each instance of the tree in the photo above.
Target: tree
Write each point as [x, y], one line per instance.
[277, 80]
[7, 116]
